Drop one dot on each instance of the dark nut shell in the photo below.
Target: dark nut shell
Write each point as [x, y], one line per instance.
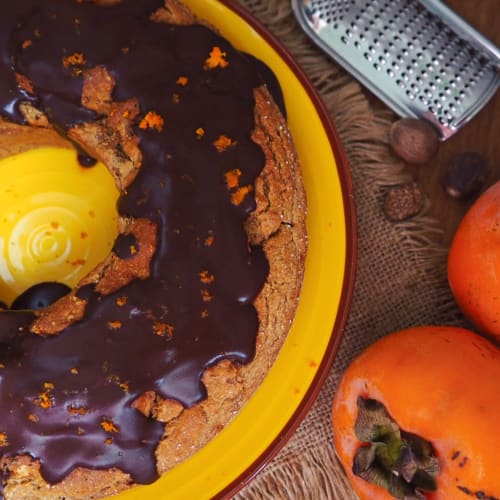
[413, 140]
[403, 202]
[464, 175]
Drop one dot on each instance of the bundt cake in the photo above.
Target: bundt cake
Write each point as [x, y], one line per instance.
[160, 346]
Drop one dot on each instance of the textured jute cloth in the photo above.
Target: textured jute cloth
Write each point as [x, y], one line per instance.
[401, 270]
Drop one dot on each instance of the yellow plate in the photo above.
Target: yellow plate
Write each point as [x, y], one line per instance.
[259, 431]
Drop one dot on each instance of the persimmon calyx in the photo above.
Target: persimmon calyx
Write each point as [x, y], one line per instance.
[403, 463]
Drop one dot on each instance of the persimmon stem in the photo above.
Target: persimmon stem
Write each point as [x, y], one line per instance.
[403, 463]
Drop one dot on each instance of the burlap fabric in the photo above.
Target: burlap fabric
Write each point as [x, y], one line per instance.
[401, 277]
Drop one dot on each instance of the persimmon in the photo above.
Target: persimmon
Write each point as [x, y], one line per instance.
[416, 416]
[474, 263]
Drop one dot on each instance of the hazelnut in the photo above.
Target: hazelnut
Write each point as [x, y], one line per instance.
[404, 201]
[413, 140]
[464, 175]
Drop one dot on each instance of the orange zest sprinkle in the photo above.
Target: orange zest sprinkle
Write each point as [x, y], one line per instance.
[115, 379]
[176, 98]
[233, 178]
[162, 329]
[3, 439]
[152, 120]
[209, 240]
[121, 301]
[206, 296]
[239, 195]
[74, 371]
[108, 440]
[44, 400]
[33, 418]
[182, 80]
[27, 43]
[206, 277]
[124, 386]
[222, 143]
[77, 410]
[200, 132]
[78, 262]
[109, 426]
[217, 58]
[204, 314]
[114, 325]
[75, 59]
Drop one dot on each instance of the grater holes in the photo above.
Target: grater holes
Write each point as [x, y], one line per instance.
[398, 39]
[330, 11]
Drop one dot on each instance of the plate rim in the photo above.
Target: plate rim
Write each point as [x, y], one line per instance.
[351, 254]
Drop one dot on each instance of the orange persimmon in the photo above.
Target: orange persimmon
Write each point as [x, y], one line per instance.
[419, 412]
[474, 263]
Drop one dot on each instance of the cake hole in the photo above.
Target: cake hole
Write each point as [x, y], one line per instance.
[126, 246]
[58, 220]
[40, 296]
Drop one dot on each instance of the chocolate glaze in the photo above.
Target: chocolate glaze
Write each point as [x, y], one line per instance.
[66, 399]
[40, 296]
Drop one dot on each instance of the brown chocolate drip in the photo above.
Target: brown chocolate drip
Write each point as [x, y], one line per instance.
[66, 400]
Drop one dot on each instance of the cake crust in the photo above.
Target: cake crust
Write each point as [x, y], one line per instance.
[278, 224]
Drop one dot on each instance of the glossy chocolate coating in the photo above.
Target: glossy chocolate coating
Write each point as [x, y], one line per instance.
[40, 296]
[66, 399]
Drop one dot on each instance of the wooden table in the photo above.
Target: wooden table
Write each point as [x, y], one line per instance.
[482, 134]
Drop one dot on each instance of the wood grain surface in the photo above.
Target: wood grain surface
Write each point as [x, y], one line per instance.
[482, 134]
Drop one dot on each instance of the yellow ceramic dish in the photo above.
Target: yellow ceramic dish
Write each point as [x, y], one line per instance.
[243, 448]
[64, 221]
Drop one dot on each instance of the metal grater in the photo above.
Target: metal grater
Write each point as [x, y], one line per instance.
[418, 56]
